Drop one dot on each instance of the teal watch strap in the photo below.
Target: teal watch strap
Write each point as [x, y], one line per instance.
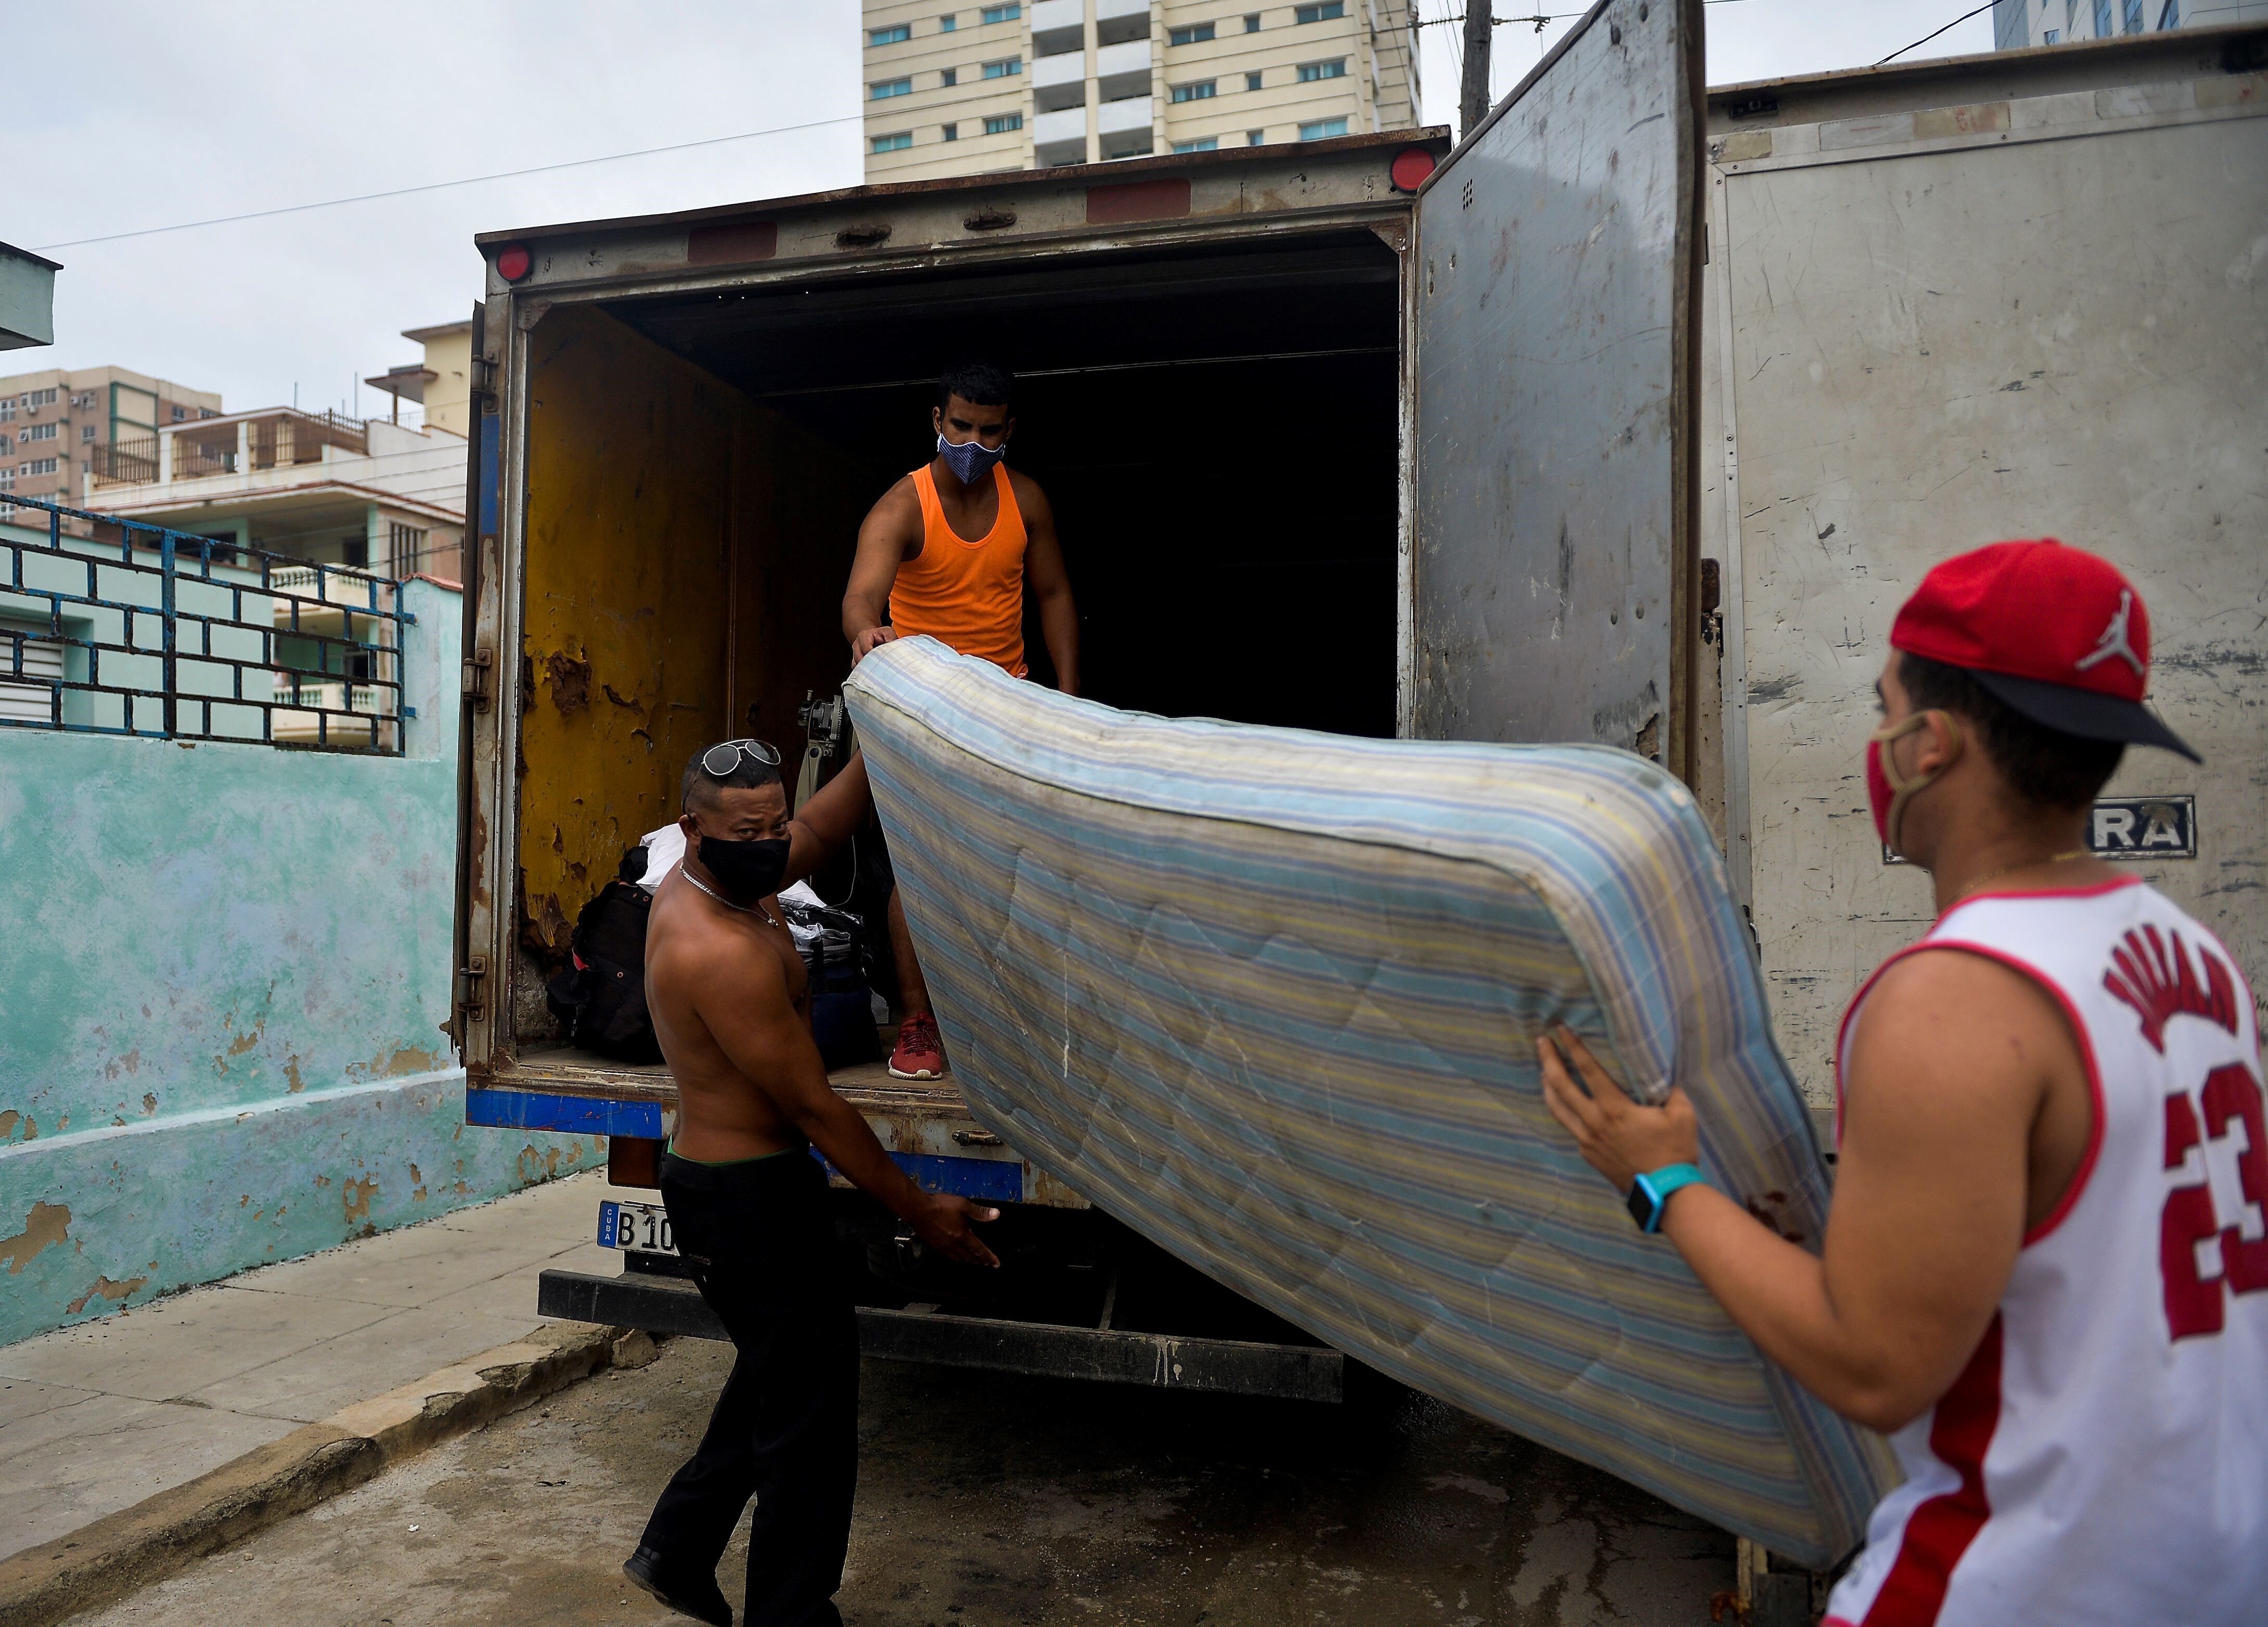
[1657, 1185]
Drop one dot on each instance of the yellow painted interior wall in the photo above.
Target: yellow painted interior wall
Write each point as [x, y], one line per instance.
[686, 552]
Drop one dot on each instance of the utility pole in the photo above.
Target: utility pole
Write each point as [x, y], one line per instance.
[1473, 104]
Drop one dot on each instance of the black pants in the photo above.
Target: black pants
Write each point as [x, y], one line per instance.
[761, 1239]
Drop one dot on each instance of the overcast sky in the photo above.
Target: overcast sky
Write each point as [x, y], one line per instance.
[148, 114]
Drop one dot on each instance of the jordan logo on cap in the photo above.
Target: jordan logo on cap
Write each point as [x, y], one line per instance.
[2113, 641]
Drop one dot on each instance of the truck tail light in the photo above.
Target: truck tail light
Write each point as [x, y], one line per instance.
[514, 262]
[1409, 170]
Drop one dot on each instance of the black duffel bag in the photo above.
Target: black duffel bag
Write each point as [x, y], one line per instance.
[600, 998]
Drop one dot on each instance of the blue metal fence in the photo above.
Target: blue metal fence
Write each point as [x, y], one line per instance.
[143, 630]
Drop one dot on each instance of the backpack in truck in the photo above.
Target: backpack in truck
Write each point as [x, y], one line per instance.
[838, 953]
[600, 998]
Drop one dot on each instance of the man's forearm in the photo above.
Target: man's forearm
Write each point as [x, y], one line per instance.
[1776, 1293]
[836, 1129]
[862, 613]
[1059, 626]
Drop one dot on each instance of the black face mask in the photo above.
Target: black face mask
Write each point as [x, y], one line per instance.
[748, 871]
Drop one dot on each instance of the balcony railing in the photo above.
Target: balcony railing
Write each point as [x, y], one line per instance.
[124, 461]
[145, 631]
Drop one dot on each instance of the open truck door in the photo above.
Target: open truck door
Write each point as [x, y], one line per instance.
[1556, 319]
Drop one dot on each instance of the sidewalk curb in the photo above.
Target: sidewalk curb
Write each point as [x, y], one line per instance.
[125, 1552]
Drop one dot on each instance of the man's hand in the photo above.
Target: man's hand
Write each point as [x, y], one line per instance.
[1616, 1137]
[865, 642]
[946, 1224]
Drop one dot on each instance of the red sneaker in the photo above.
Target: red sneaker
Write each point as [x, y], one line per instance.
[920, 1052]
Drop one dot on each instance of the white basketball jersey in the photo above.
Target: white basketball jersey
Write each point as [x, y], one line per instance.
[2104, 1457]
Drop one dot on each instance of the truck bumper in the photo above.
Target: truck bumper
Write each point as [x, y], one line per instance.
[1044, 1350]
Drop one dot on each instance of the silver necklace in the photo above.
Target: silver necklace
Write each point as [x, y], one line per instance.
[757, 911]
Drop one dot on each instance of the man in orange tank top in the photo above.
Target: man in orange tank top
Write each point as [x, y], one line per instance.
[948, 553]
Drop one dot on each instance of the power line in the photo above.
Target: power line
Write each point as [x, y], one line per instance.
[437, 186]
[1926, 38]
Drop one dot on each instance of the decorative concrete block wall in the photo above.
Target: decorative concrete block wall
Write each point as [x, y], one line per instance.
[223, 973]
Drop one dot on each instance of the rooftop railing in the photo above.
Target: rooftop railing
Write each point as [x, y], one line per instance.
[142, 630]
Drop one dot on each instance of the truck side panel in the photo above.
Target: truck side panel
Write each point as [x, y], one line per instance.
[1559, 250]
[2030, 316]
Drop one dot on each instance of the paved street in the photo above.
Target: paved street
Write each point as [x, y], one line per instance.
[989, 1499]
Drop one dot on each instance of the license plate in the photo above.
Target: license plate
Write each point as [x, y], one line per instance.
[643, 1229]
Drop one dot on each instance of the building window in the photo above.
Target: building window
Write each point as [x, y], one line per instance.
[1004, 69]
[2103, 19]
[1007, 13]
[950, 77]
[1195, 33]
[2171, 17]
[1001, 124]
[37, 466]
[1336, 68]
[2049, 36]
[1199, 91]
[882, 90]
[890, 36]
[897, 142]
[39, 398]
[1322, 12]
[1206, 144]
[7, 411]
[1252, 81]
[38, 431]
[1252, 22]
[86, 431]
[1322, 129]
[2131, 21]
[952, 132]
[1255, 138]
[949, 23]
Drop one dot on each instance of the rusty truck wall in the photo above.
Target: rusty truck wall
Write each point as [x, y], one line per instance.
[685, 552]
[1998, 299]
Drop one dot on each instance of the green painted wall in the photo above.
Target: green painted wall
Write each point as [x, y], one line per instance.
[223, 968]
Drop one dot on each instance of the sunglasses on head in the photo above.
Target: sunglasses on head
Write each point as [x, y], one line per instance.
[720, 762]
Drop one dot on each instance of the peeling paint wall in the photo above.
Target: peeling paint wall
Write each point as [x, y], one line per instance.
[225, 969]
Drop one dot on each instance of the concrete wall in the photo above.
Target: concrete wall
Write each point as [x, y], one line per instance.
[222, 970]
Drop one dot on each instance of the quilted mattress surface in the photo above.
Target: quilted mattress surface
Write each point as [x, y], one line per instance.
[1269, 997]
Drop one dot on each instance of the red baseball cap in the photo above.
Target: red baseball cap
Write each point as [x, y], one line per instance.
[2057, 634]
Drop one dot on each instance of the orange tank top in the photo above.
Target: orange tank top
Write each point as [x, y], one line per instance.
[968, 595]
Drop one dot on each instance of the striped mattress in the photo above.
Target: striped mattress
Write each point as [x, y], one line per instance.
[1270, 997]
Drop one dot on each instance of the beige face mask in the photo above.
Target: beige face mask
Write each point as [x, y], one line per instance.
[1886, 794]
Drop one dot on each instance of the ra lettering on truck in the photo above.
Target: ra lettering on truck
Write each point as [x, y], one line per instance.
[2134, 828]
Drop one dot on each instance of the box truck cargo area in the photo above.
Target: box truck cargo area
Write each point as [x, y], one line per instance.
[1215, 431]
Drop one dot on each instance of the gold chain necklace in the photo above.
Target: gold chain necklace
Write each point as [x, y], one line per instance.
[1994, 875]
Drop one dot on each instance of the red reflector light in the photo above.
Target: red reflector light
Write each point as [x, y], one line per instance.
[515, 262]
[1410, 167]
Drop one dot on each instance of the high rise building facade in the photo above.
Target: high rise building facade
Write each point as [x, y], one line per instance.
[62, 424]
[2017, 23]
[1020, 85]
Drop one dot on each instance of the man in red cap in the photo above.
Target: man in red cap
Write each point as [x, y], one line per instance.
[2045, 1271]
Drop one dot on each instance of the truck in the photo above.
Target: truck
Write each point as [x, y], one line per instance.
[1631, 417]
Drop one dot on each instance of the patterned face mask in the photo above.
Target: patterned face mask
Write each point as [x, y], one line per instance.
[970, 460]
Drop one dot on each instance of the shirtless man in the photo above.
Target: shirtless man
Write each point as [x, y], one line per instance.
[2045, 1274]
[748, 1204]
[946, 553]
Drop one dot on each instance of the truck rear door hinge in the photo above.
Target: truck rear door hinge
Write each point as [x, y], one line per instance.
[472, 991]
[479, 665]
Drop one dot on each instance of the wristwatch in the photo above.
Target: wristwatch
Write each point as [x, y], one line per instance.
[1649, 1193]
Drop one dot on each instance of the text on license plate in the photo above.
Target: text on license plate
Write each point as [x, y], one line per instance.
[644, 1227]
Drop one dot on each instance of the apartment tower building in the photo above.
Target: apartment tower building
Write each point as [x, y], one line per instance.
[2017, 23]
[1031, 83]
[59, 426]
